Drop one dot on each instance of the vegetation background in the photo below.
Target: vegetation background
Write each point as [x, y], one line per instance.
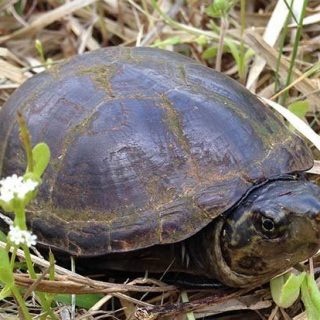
[270, 46]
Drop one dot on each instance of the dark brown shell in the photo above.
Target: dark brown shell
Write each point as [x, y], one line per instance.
[148, 147]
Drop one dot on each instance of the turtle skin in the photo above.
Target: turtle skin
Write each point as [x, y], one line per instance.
[148, 148]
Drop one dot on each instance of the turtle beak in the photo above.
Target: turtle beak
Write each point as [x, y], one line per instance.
[305, 233]
[306, 216]
[315, 218]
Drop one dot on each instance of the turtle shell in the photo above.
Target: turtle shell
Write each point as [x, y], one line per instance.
[148, 147]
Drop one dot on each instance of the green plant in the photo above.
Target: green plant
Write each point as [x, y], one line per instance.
[294, 53]
[15, 194]
[286, 288]
[220, 9]
[39, 47]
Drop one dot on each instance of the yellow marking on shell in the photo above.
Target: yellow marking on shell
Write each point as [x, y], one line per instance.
[175, 125]
[101, 75]
[73, 133]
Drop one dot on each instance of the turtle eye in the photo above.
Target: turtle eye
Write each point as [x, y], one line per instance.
[268, 224]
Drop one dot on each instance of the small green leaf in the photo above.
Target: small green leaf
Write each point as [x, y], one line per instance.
[41, 157]
[6, 275]
[52, 265]
[39, 47]
[285, 289]
[85, 301]
[311, 297]
[5, 292]
[220, 8]
[314, 291]
[3, 236]
[168, 42]
[299, 108]
[202, 40]
[26, 140]
[19, 7]
[209, 53]
[248, 55]
[235, 51]
[6, 206]
[49, 63]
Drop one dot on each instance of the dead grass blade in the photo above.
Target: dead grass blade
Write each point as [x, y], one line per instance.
[270, 55]
[301, 316]
[11, 72]
[47, 18]
[73, 285]
[271, 34]
[152, 34]
[299, 124]
[6, 54]
[67, 281]
[247, 302]
[314, 18]
[169, 311]
[125, 33]
[305, 75]
[88, 42]
[316, 168]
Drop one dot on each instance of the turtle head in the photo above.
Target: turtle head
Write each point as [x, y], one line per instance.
[276, 226]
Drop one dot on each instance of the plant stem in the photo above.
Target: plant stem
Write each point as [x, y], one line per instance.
[281, 46]
[223, 28]
[21, 222]
[20, 215]
[13, 257]
[43, 300]
[21, 303]
[295, 49]
[242, 67]
[28, 259]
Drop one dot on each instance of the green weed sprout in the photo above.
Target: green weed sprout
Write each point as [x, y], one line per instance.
[39, 47]
[16, 192]
[221, 9]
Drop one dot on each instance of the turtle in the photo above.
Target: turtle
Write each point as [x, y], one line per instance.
[161, 162]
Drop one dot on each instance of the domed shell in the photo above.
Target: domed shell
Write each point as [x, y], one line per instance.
[148, 147]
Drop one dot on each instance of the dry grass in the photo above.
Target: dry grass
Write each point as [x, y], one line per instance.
[66, 28]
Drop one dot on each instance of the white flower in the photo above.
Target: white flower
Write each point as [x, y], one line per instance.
[15, 186]
[19, 237]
